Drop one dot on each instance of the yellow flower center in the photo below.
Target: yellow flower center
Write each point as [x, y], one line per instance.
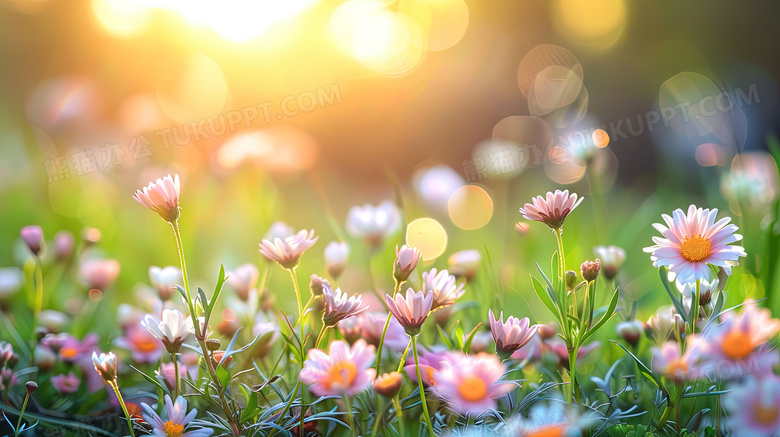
[696, 248]
[68, 352]
[344, 376]
[766, 415]
[472, 388]
[548, 431]
[737, 344]
[173, 429]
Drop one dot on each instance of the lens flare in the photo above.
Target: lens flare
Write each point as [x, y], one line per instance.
[428, 236]
[470, 207]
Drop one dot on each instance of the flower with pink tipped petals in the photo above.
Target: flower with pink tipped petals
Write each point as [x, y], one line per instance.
[412, 311]
[336, 256]
[32, 236]
[164, 280]
[444, 287]
[373, 223]
[66, 384]
[99, 273]
[339, 306]
[168, 372]
[287, 252]
[143, 345]
[736, 344]
[162, 197]
[178, 420]
[754, 406]
[430, 362]
[172, 330]
[552, 210]
[105, 365]
[471, 384]
[369, 326]
[692, 242]
[669, 362]
[243, 280]
[612, 258]
[406, 259]
[510, 335]
[344, 370]
[388, 385]
[464, 263]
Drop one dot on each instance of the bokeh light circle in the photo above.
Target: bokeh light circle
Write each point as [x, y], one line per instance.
[428, 236]
[600, 138]
[200, 91]
[470, 207]
[443, 21]
[595, 24]
[541, 57]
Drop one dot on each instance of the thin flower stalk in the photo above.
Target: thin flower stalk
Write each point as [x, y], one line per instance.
[396, 289]
[422, 389]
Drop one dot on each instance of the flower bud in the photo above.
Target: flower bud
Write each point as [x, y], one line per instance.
[464, 263]
[91, 236]
[522, 228]
[406, 259]
[33, 237]
[590, 270]
[63, 244]
[317, 284]
[44, 358]
[546, 332]
[213, 344]
[630, 331]
[571, 279]
[336, 255]
[389, 384]
[31, 386]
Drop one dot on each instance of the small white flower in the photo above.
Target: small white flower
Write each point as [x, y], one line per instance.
[336, 256]
[287, 252]
[164, 280]
[373, 223]
[172, 330]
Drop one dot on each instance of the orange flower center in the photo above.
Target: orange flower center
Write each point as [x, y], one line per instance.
[343, 376]
[69, 352]
[766, 415]
[173, 429]
[548, 431]
[429, 373]
[146, 345]
[696, 248]
[677, 369]
[473, 388]
[737, 344]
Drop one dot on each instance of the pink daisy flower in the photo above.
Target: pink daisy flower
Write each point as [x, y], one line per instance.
[344, 370]
[552, 210]
[754, 405]
[738, 345]
[178, 423]
[693, 241]
[471, 384]
[411, 311]
[510, 335]
[288, 251]
[162, 197]
[669, 362]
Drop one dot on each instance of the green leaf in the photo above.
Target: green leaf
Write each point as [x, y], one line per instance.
[251, 410]
[217, 290]
[154, 381]
[470, 338]
[444, 337]
[674, 295]
[647, 372]
[545, 297]
[607, 315]
[223, 375]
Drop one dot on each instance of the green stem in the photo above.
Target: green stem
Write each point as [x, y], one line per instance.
[21, 415]
[124, 407]
[378, 418]
[302, 322]
[321, 335]
[422, 390]
[403, 357]
[670, 406]
[201, 336]
[396, 289]
[399, 413]
[695, 306]
[176, 373]
[348, 405]
[573, 393]
[561, 258]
